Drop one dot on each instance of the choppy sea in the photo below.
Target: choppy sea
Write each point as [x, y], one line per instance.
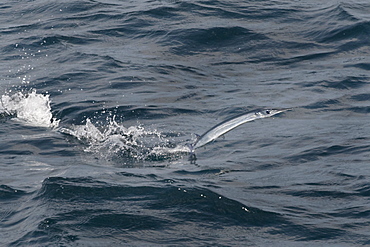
[100, 98]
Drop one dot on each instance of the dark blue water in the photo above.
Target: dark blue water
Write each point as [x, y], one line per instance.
[100, 98]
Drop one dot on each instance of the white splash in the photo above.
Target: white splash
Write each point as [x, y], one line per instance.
[113, 140]
[110, 140]
[164, 152]
[169, 150]
[31, 108]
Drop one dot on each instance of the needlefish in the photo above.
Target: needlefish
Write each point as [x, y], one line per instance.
[230, 124]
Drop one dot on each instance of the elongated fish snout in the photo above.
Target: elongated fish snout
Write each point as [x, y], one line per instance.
[286, 109]
[276, 111]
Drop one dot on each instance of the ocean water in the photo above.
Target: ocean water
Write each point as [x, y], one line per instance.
[99, 100]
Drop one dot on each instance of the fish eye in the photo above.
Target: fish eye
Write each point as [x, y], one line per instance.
[267, 112]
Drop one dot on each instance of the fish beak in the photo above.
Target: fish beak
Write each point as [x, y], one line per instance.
[277, 111]
[285, 109]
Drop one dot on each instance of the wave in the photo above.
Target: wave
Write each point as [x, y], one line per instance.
[75, 210]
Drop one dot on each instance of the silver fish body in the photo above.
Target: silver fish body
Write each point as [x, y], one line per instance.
[230, 124]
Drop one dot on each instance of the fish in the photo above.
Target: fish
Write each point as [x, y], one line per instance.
[229, 124]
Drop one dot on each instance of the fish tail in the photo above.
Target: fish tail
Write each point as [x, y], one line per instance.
[191, 148]
[192, 156]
